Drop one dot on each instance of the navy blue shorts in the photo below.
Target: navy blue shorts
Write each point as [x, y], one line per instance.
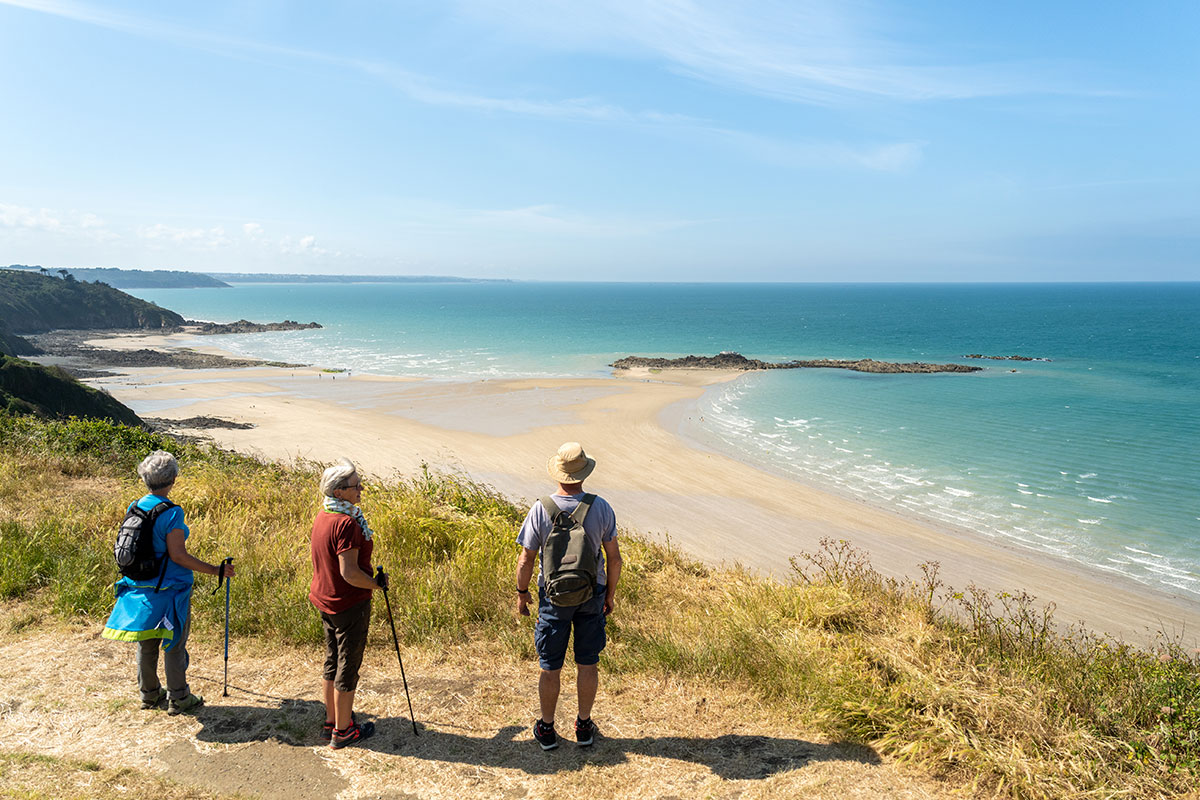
[554, 626]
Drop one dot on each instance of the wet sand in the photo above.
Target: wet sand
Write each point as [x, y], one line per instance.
[662, 485]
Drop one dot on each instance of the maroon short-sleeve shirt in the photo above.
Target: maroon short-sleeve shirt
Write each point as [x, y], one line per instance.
[333, 534]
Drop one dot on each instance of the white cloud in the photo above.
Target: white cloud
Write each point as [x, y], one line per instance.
[12, 216]
[252, 229]
[305, 246]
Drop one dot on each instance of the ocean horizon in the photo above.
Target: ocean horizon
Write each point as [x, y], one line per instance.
[1090, 456]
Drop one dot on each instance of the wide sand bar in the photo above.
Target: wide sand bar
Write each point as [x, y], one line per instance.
[501, 432]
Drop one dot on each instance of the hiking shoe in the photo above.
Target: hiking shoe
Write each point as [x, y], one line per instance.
[154, 701]
[545, 735]
[352, 735]
[186, 704]
[327, 728]
[585, 732]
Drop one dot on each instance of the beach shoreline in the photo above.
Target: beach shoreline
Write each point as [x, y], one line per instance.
[663, 482]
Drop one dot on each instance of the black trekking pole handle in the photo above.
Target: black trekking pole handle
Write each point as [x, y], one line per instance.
[396, 642]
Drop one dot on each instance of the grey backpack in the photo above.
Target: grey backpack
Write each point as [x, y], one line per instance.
[569, 565]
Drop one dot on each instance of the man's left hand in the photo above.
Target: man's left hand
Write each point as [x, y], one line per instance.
[610, 604]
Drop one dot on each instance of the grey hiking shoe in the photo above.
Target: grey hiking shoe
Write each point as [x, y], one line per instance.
[192, 701]
[154, 700]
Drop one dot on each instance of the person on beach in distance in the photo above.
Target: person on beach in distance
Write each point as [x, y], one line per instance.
[568, 468]
[150, 611]
[341, 590]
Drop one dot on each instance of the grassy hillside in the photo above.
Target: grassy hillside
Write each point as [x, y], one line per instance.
[971, 686]
[28, 388]
[31, 302]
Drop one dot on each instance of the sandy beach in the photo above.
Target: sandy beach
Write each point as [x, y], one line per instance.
[662, 485]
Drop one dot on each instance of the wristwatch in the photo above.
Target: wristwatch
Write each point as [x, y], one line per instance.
[522, 591]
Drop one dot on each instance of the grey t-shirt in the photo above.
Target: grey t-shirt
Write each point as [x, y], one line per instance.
[600, 525]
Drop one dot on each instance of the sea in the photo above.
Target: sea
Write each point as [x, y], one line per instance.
[1089, 454]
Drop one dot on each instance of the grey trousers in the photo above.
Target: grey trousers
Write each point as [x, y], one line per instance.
[175, 663]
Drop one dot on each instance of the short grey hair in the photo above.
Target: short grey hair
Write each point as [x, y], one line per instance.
[158, 470]
[337, 477]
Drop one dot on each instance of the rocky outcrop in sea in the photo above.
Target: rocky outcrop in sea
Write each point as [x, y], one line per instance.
[1005, 358]
[737, 361]
[246, 326]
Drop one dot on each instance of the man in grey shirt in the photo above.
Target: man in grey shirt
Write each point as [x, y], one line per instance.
[568, 468]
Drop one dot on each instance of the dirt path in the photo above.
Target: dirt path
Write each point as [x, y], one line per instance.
[67, 693]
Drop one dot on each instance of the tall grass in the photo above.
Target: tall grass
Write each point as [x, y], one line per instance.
[975, 686]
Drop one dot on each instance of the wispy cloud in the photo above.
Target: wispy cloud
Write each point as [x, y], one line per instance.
[810, 51]
[552, 220]
[203, 237]
[82, 225]
[423, 89]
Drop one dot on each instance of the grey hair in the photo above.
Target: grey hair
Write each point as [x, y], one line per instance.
[158, 470]
[337, 477]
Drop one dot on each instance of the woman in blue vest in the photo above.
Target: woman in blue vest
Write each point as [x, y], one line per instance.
[154, 613]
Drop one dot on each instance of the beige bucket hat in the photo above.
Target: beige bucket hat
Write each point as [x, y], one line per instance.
[570, 464]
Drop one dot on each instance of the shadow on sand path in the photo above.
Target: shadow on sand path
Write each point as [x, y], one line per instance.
[294, 725]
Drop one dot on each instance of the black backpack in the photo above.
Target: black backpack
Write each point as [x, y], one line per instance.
[134, 549]
[569, 566]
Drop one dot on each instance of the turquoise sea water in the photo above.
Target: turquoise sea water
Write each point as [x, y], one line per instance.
[1093, 456]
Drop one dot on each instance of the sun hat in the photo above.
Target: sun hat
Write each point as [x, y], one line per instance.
[570, 464]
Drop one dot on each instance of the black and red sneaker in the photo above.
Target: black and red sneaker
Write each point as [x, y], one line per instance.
[545, 735]
[585, 732]
[352, 735]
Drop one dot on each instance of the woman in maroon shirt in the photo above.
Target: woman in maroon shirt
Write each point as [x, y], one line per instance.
[341, 590]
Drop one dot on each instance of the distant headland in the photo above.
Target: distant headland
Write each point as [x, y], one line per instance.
[737, 361]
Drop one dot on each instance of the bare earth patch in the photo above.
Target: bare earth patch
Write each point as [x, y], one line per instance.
[66, 693]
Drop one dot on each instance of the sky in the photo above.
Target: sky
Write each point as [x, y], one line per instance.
[622, 140]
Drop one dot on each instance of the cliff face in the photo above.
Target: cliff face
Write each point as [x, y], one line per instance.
[31, 302]
[13, 345]
[28, 388]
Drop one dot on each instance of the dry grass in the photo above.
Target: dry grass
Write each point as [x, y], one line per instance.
[661, 736]
[716, 682]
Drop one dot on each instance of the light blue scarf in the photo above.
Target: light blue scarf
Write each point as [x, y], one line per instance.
[350, 510]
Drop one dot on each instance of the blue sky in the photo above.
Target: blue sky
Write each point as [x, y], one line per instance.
[607, 140]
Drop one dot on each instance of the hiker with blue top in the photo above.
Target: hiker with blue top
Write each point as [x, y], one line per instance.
[153, 605]
[573, 534]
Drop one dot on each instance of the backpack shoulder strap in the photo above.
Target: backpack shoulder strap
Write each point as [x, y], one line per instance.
[165, 505]
[581, 511]
[552, 508]
[155, 513]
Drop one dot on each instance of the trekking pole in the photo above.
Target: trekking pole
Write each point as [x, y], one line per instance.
[225, 690]
[396, 641]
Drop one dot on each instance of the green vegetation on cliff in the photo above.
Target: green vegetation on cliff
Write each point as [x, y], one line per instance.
[974, 687]
[131, 278]
[31, 302]
[28, 388]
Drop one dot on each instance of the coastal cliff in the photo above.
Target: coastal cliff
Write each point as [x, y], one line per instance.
[737, 361]
[32, 302]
